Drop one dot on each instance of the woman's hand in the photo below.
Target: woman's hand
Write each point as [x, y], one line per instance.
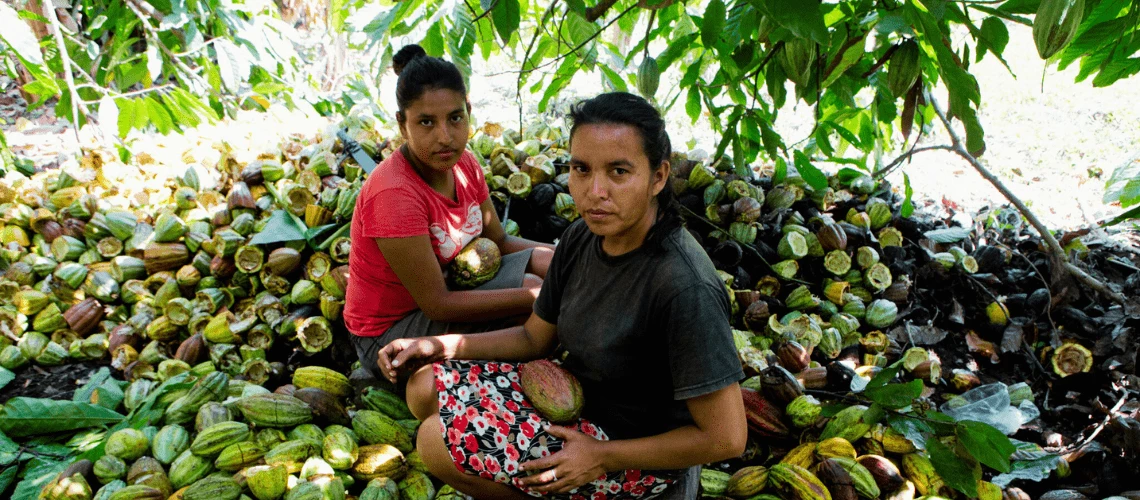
[579, 462]
[405, 355]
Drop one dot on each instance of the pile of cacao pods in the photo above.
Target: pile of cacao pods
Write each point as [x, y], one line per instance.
[213, 437]
[191, 271]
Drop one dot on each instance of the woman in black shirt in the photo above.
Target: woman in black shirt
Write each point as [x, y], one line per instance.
[644, 321]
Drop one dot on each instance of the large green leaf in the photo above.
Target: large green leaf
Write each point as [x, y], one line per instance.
[38, 473]
[955, 470]
[19, 36]
[713, 23]
[9, 451]
[810, 173]
[505, 13]
[33, 416]
[802, 17]
[6, 376]
[986, 444]
[895, 396]
[8, 476]
[282, 226]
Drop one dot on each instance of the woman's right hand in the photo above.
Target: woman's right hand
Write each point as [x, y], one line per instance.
[406, 355]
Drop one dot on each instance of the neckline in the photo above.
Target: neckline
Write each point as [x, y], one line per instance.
[411, 171]
[614, 260]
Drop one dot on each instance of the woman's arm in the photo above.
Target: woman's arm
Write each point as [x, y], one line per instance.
[719, 432]
[414, 262]
[533, 340]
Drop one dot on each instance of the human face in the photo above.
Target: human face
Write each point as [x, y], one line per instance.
[435, 127]
[613, 186]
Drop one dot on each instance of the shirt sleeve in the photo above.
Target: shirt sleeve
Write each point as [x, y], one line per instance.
[393, 213]
[702, 355]
[482, 192]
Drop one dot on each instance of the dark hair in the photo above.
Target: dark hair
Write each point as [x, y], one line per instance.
[418, 72]
[623, 108]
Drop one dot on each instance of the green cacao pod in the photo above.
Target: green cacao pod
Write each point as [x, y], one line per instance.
[216, 487]
[188, 468]
[292, 454]
[379, 460]
[1055, 24]
[797, 58]
[847, 424]
[170, 442]
[714, 483]
[267, 482]
[331, 381]
[416, 486]
[796, 483]
[381, 488]
[648, 77]
[127, 444]
[238, 456]
[212, 440]
[903, 68]
[374, 427]
[274, 410]
[375, 398]
[340, 450]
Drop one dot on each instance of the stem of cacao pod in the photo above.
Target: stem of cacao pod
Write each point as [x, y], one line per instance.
[1054, 247]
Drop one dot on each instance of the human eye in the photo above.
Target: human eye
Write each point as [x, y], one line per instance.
[457, 119]
[580, 168]
[619, 171]
[425, 123]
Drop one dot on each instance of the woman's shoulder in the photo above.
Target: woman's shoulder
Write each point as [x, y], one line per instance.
[684, 263]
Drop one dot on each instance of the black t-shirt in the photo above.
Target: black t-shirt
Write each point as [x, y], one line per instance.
[644, 331]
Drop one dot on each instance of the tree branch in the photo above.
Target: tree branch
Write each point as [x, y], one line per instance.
[882, 172]
[57, 33]
[1054, 247]
[573, 50]
[596, 12]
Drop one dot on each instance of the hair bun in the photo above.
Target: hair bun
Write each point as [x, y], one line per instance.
[406, 55]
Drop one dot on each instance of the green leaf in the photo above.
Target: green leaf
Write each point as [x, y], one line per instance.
[713, 23]
[895, 396]
[772, 141]
[851, 55]
[802, 17]
[986, 444]
[8, 477]
[433, 40]
[159, 116]
[885, 376]
[997, 35]
[874, 414]
[505, 14]
[32, 416]
[915, 430]
[675, 50]
[908, 192]
[232, 64]
[83, 394]
[948, 235]
[781, 170]
[19, 36]
[812, 175]
[313, 235]
[9, 452]
[282, 226]
[954, 469]
[6, 376]
[614, 78]
[39, 472]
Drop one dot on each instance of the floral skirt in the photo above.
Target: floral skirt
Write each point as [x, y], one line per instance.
[490, 428]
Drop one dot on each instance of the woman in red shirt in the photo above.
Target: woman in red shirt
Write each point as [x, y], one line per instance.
[416, 211]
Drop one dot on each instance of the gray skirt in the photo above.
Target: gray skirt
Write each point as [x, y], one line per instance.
[511, 273]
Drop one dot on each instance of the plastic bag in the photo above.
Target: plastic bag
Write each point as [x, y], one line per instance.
[990, 404]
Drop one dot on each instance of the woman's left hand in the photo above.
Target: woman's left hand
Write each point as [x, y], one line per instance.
[579, 462]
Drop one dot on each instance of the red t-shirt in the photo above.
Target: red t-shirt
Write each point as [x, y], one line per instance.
[396, 203]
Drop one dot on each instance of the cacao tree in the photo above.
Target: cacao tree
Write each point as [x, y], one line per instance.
[166, 64]
[868, 68]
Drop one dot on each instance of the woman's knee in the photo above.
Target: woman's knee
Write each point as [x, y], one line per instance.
[531, 281]
[433, 451]
[423, 400]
